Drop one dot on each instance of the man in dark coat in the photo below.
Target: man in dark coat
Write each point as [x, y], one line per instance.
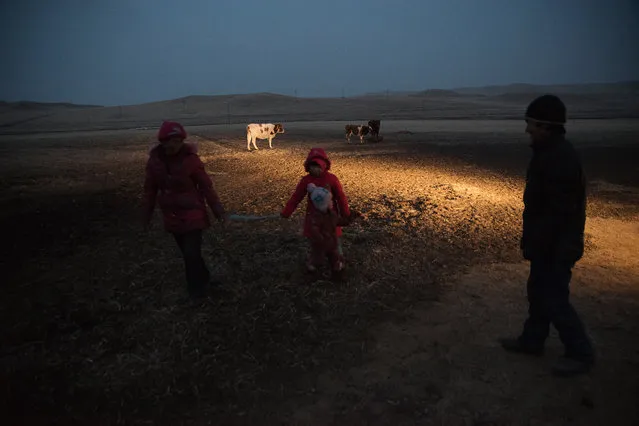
[553, 238]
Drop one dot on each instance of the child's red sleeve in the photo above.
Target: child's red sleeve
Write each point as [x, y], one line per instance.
[149, 196]
[340, 197]
[296, 198]
[205, 185]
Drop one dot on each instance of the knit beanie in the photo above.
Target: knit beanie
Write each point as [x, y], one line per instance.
[547, 109]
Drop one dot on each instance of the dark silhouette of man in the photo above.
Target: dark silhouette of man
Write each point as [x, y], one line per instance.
[553, 238]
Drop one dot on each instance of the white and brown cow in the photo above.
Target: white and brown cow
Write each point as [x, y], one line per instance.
[353, 129]
[262, 131]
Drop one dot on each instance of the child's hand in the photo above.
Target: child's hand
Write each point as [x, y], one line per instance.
[224, 220]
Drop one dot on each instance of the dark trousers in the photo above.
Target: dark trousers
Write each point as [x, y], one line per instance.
[197, 275]
[548, 301]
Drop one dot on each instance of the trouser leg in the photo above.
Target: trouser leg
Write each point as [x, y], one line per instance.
[537, 325]
[197, 274]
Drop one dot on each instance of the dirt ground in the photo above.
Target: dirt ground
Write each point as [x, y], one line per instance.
[96, 328]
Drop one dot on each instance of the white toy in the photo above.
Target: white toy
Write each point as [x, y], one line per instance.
[321, 197]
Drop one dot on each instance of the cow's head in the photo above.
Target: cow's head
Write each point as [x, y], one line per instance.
[278, 128]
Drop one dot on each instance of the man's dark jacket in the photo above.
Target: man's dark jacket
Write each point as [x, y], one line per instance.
[554, 203]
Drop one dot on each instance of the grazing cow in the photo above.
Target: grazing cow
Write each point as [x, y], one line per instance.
[262, 131]
[352, 129]
[374, 126]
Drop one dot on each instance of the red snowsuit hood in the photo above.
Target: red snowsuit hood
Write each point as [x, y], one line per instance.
[318, 155]
[169, 129]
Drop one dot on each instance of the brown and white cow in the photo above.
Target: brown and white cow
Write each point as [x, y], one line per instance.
[262, 131]
[353, 129]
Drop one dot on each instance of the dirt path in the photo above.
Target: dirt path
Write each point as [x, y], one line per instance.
[444, 367]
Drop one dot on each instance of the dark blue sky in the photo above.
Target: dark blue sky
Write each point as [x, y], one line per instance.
[113, 52]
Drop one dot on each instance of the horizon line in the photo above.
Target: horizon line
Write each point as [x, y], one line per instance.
[386, 92]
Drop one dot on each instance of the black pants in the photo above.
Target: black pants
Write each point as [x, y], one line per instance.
[197, 275]
[548, 299]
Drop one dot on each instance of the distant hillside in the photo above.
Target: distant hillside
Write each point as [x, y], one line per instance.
[619, 100]
[391, 93]
[503, 92]
[29, 105]
[251, 98]
[22, 112]
[438, 93]
[630, 87]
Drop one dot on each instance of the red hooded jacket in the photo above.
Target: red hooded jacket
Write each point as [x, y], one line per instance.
[326, 179]
[181, 186]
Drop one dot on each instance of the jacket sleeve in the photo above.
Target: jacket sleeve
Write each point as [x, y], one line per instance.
[149, 195]
[296, 198]
[340, 198]
[205, 185]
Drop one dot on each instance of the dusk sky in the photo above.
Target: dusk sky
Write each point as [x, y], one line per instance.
[135, 51]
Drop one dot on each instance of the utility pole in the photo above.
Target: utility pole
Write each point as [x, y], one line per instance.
[296, 93]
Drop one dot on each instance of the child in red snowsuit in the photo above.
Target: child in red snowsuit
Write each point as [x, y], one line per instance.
[321, 227]
[175, 171]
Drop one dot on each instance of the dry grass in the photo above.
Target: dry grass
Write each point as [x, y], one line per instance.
[97, 329]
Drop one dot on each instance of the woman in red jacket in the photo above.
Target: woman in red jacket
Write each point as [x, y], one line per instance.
[316, 222]
[176, 178]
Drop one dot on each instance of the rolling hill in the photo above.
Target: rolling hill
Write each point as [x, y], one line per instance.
[616, 100]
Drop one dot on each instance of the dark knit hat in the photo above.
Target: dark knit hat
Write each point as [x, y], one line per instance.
[547, 109]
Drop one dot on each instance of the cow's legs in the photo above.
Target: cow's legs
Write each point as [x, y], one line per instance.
[269, 142]
[348, 137]
[248, 141]
[254, 145]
